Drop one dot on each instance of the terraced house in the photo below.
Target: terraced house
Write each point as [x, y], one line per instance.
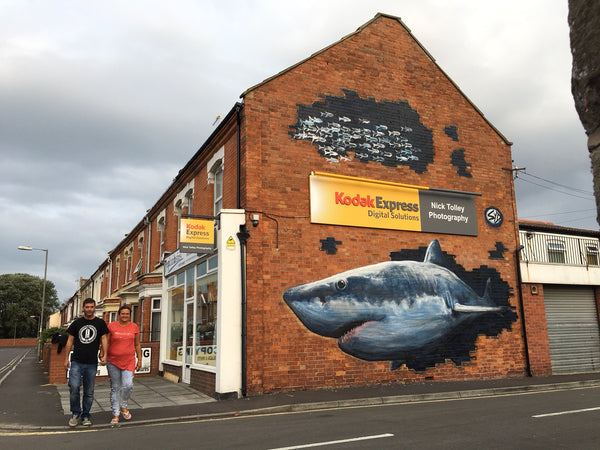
[351, 221]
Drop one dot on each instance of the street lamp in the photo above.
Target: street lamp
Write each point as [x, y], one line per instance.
[22, 247]
[38, 340]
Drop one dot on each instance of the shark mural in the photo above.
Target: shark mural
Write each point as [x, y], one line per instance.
[417, 313]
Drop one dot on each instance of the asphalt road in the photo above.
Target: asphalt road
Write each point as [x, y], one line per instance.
[8, 353]
[9, 358]
[557, 419]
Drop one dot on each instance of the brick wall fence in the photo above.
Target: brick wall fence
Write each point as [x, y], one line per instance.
[21, 342]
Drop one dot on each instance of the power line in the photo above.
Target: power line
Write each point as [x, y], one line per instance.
[566, 212]
[580, 219]
[558, 184]
[556, 190]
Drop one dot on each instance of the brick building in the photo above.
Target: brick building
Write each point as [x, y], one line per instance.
[560, 283]
[365, 232]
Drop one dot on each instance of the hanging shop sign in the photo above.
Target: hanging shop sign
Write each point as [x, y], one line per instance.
[342, 200]
[196, 235]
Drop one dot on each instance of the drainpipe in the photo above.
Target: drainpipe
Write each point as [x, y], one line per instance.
[238, 108]
[109, 291]
[243, 236]
[148, 244]
[522, 310]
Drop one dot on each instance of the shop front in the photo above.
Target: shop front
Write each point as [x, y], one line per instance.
[201, 327]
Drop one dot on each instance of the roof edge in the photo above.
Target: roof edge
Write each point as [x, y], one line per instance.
[534, 225]
[358, 30]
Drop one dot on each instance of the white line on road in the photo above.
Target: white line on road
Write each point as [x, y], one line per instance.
[560, 413]
[12, 365]
[342, 441]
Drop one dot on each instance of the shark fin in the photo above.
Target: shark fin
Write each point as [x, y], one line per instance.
[434, 254]
[486, 293]
[489, 307]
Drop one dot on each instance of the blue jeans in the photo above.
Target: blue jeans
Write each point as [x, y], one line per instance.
[121, 385]
[79, 373]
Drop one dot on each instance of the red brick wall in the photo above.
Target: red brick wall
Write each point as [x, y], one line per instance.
[381, 62]
[537, 331]
[54, 364]
[20, 342]
[203, 381]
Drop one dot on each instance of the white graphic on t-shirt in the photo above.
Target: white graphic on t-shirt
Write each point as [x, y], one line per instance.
[87, 334]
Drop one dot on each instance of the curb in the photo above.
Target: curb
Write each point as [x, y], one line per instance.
[315, 406]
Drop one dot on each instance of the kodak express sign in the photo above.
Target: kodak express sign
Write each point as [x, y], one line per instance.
[341, 200]
[196, 235]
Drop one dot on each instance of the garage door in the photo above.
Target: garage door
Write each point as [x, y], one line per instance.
[572, 320]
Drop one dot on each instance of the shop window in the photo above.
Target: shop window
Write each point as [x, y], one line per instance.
[193, 295]
[155, 320]
[213, 263]
[175, 330]
[189, 283]
[201, 269]
[592, 255]
[556, 252]
[206, 319]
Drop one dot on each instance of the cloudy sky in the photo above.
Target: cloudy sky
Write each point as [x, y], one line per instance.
[103, 101]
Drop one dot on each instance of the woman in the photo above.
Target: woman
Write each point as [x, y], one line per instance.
[123, 347]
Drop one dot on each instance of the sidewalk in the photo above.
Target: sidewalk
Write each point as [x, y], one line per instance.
[27, 403]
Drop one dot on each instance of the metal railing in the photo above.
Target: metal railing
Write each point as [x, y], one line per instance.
[559, 249]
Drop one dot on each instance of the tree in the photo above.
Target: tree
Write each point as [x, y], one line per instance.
[21, 298]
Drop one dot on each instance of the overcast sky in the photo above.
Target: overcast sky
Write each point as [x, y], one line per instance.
[103, 101]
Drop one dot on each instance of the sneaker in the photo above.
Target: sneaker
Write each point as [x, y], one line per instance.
[74, 421]
[86, 422]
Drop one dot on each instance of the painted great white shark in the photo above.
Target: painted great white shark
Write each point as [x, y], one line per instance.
[391, 311]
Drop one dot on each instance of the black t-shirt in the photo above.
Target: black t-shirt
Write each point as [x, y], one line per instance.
[86, 342]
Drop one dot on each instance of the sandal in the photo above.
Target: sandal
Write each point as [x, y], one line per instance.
[114, 420]
[126, 414]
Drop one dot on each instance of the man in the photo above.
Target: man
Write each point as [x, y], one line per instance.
[86, 334]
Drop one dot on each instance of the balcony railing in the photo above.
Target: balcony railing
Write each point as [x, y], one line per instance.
[558, 249]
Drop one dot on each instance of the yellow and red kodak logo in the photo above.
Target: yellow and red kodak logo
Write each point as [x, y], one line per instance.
[363, 203]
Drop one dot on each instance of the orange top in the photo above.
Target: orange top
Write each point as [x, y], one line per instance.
[121, 351]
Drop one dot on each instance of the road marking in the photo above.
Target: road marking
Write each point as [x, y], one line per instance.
[341, 441]
[12, 365]
[561, 413]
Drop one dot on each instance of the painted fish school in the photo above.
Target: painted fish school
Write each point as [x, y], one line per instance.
[363, 181]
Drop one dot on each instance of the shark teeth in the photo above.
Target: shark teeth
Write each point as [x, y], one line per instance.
[352, 330]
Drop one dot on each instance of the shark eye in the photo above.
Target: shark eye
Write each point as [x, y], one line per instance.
[341, 285]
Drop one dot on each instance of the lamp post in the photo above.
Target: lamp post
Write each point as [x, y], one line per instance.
[22, 247]
[38, 339]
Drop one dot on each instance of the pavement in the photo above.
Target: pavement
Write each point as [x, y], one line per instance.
[28, 403]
